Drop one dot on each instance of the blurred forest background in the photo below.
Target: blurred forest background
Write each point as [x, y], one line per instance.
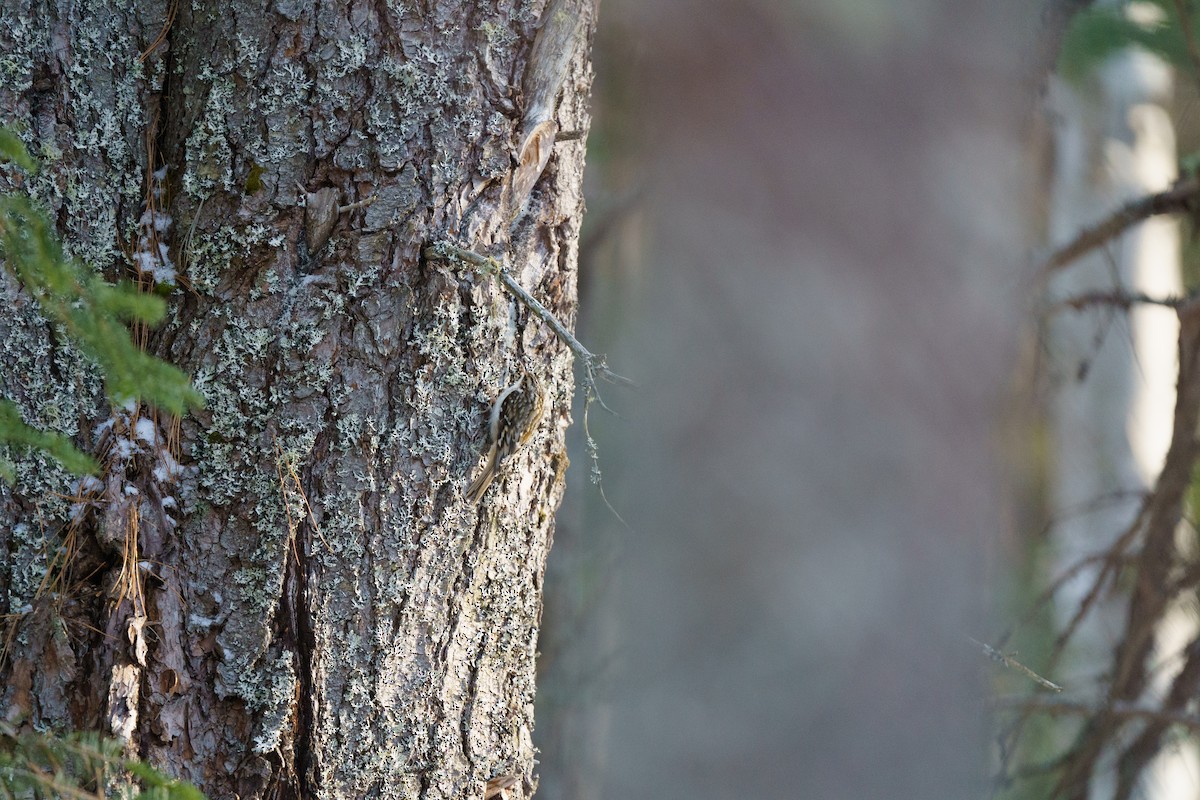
[898, 518]
[904, 504]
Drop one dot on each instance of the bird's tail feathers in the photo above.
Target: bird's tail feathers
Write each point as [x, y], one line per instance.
[483, 480]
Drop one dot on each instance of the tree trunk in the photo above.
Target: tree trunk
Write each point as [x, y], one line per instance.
[285, 594]
[1113, 380]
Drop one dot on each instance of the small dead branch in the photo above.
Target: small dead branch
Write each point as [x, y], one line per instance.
[1182, 196]
[1060, 706]
[1111, 562]
[1011, 663]
[1146, 747]
[1147, 560]
[594, 365]
[1151, 597]
[593, 451]
[1116, 298]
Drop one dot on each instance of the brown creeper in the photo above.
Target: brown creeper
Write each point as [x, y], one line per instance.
[514, 418]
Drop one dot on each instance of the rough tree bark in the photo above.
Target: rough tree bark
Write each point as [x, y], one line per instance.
[303, 605]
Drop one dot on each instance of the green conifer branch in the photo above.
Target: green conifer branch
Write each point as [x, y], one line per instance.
[91, 311]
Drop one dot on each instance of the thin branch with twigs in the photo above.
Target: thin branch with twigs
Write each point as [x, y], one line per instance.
[1182, 196]
[1116, 299]
[593, 364]
[1161, 577]
[1048, 704]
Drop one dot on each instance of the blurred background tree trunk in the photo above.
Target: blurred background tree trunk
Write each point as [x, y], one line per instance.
[1111, 374]
[285, 594]
[825, 313]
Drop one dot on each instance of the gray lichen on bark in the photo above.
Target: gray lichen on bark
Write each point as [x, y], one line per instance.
[330, 615]
[85, 136]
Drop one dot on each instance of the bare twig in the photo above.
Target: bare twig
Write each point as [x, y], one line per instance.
[593, 451]
[1152, 595]
[357, 204]
[1148, 744]
[1180, 197]
[593, 364]
[1013, 664]
[1113, 560]
[1110, 560]
[1116, 299]
[1047, 704]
